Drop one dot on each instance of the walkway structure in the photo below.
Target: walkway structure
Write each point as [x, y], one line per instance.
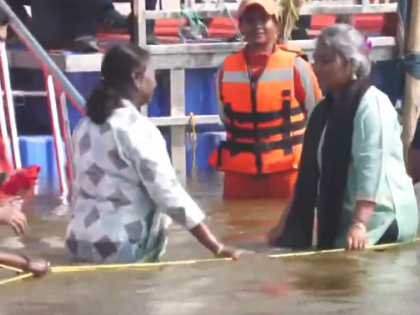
[174, 57]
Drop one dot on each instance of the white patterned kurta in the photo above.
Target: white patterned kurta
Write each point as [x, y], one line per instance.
[124, 183]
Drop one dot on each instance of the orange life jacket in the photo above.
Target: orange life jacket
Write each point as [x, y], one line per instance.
[264, 121]
[290, 48]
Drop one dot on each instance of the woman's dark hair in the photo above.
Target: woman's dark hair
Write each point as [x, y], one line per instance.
[117, 68]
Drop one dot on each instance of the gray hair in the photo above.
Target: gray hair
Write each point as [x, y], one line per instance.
[349, 45]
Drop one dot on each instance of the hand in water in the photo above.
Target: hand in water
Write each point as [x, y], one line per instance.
[356, 237]
[206, 237]
[228, 252]
[11, 215]
[37, 266]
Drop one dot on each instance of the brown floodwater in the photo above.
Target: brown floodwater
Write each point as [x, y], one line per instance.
[349, 283]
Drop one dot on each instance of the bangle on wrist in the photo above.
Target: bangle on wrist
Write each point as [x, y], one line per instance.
[219, 250]
[359, 225]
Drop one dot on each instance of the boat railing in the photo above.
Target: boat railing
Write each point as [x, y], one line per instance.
[57, 88]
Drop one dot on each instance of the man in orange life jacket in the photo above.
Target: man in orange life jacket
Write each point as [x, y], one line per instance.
[265, 91]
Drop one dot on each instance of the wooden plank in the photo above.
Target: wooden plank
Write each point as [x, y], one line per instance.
[183, 120]
[178, 131]
[139, 13]
[188, 56]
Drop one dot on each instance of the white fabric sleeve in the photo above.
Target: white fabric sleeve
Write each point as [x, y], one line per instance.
[146, 148]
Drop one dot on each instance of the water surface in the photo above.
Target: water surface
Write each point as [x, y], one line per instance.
[350, 283]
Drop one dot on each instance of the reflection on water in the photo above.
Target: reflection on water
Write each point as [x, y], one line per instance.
[346, 283]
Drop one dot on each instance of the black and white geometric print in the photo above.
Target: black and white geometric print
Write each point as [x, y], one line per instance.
[124, 175]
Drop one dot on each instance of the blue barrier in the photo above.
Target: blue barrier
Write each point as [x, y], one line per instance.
[39, 150]
[33, 116]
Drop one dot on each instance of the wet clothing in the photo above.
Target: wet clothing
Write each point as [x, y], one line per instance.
[352, 151]
[124, 190]
[306, 92]
[274, 186]
[391, 234]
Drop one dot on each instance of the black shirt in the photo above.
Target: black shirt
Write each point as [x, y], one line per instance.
[415, 144]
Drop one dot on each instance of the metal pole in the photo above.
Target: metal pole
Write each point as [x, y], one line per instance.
[139, 9]
[23, 33]
[140, 34]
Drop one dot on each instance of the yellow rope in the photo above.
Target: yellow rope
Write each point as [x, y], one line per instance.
[61, 269]
[17, 278]
[193, 141]
[340, 250]
[10, 268]
[148, 266]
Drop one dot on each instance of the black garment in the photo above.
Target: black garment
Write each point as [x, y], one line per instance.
[150, 24]
[332, 180]
[391, 234]
[57, 24]
[300, 32]
[18, 8]
[415, 144]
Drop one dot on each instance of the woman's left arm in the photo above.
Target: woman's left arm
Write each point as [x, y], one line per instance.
[368, 157]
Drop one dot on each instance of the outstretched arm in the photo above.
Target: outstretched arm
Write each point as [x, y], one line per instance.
[146, 147]
[38, 267]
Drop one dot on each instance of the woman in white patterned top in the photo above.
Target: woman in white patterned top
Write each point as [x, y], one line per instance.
[124, 181]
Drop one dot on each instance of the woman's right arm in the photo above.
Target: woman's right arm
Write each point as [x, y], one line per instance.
[147, 149]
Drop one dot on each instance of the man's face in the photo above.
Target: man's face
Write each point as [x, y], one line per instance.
[3, 35]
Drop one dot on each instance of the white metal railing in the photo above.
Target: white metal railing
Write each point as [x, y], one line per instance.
[179, 57]
[7, 113]
[58, 113]
[8, 122]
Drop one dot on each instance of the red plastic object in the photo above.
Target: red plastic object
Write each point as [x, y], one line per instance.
[167, 29]
[23, 179]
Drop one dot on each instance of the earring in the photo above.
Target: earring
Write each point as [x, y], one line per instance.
[354, 76]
